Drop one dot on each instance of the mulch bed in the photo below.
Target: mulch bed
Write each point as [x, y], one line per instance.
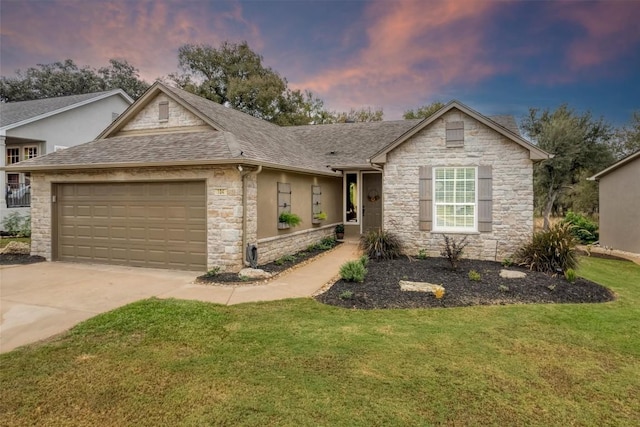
[7, 259]
[381, 287]
[274, 268]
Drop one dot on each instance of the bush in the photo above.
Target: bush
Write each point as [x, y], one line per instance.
[17, 225]
[422, 254]
[550, 251]
[379, 244]
[353, 271]
[474, 276]
[213, 272]
[453, 249]
[570, 275]
[584, 229]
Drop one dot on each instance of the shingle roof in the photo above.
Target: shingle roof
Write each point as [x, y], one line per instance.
[15, 112]
[237, 137]
[507, 122]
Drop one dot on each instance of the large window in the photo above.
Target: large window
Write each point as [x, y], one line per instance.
[455, 199]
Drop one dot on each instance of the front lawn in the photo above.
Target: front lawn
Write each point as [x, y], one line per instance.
[298, 362]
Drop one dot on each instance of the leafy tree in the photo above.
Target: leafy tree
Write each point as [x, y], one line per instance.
[232, 75]
[66, 78]
[627, 139]
[423, 112]
[579, 144]
[362, 115]
[302, 108]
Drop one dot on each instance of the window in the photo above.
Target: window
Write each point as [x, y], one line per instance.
[30, 152]
[455, 198]
[455, 134]
[13, 155]
[352, 197]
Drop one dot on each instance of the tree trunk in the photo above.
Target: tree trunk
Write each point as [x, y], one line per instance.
[546, 213]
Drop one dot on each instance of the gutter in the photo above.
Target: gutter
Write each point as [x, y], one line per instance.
[245, 243]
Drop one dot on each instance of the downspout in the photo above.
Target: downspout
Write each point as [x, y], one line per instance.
[244, 209]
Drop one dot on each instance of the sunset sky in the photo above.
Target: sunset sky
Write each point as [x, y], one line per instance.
[499, 57]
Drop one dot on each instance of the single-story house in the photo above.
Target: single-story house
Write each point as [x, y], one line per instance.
[178, 181]
[619, 188]
[33, 128]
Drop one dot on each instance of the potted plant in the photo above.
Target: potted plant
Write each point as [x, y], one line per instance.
[317, 217]
[288, 219]
[340, 231]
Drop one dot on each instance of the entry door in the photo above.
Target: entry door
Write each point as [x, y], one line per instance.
[371, 201]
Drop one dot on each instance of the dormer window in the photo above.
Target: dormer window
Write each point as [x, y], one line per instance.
[455, 134]
[163, 115]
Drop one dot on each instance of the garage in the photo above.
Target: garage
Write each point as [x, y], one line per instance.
[140, 224]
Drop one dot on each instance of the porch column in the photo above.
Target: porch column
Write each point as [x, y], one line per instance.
[3, 176]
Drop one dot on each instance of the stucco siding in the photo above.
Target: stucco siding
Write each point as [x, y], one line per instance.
[512, 187]
[148, 117]
[620, 208]
[224, 206]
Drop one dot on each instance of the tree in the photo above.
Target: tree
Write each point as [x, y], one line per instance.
[232, 75]
[423, 112]
[579, 145]
[302, 108]
[627, 140]
[365, 114]
[66, 78]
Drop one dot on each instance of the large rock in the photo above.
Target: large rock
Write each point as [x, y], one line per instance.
[16, 248]
[407, 285]
[254, 273]
[510, 274]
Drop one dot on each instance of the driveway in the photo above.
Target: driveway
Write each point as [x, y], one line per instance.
[45, 299]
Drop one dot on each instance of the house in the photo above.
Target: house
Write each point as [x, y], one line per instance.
[620, 204]
[178, 181]
[33, 128]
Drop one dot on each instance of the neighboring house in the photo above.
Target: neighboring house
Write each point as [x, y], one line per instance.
[33, 128]
[619, 187]
[178, 181]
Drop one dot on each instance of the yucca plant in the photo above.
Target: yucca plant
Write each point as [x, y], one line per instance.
[379, 244]
[551, 251]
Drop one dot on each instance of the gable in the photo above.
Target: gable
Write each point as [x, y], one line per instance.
[150, 117]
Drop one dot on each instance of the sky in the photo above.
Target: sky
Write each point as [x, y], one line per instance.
[498, 57]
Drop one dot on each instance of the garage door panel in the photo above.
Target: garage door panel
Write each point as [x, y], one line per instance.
[156, 224]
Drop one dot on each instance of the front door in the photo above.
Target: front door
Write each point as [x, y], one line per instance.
[371, 201]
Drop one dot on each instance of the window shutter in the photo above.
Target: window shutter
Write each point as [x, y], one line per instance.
[426, 198]
[316, 203]
[485, 199]
[455, 134]
[163, 113]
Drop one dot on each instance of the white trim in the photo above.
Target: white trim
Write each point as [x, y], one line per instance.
[462, 230]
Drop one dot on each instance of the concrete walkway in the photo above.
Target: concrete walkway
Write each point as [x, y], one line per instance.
[41, 300]
[300, 282]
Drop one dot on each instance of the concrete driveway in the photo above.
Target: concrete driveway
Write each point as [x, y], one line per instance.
[44, 299]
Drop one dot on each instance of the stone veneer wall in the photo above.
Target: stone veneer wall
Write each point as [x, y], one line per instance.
[272, 248]
[224, 208]
[148, 118]
[512, 174]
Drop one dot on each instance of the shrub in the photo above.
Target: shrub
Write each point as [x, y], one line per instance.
[285, 259]
[379, 244]
[453, 249]
[507, 262]
[422, 254]
[213, 272]
[439, 293]
[353, 271]
[474, 276]
[550, 251]
[364, 260]
[570, 275]
[289, 218]
[584, 229]
[17, 225]
[346, 295]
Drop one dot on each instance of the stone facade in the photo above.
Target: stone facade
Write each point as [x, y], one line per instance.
[148, 118]
[224, 206]
[272, 248]
[512, 185]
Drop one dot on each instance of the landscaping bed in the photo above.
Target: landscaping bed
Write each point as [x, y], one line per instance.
[8, 259]
[381, 288]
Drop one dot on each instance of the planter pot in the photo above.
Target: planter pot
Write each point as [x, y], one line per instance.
[283, 226]
[339, 236]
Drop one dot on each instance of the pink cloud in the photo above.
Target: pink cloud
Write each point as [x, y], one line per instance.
[414, 48]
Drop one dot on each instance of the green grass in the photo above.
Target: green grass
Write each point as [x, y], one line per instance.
[297, 362]
[4, 241]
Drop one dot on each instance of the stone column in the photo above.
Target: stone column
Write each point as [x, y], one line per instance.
[3, 177]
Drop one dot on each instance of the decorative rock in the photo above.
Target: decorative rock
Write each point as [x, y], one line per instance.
[254, 273]
[510, 274]
[16, 248]
[406, 285]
